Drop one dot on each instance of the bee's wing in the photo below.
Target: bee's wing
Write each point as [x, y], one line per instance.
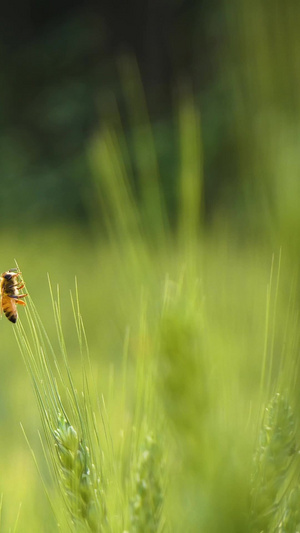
[9, 308]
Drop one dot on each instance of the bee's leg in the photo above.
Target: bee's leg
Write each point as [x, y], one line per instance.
[20, 286]
[17, 296]
[20, 302]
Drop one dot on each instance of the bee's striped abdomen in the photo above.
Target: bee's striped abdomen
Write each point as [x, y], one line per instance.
[11, 316]
[9, 308]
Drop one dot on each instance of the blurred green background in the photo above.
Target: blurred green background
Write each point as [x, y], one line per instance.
[69, 68]
[142, 142]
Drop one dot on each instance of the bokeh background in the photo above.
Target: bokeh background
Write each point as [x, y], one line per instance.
[137, 138]
[67, 68]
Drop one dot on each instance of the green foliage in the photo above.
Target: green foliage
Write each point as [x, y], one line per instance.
[189, 334]
[176, 406]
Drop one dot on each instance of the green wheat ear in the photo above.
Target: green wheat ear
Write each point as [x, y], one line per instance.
[146, 504]
[290, 522]
[78, 478]
[274, 466]
[73, 451]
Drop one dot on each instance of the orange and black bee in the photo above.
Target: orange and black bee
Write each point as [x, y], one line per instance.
[10, 287]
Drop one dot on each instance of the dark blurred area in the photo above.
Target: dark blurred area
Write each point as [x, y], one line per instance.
[64, 74]
[60, 64]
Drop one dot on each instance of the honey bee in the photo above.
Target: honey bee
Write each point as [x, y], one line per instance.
[10, 287]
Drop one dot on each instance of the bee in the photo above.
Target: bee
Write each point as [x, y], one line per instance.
[10, 287]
